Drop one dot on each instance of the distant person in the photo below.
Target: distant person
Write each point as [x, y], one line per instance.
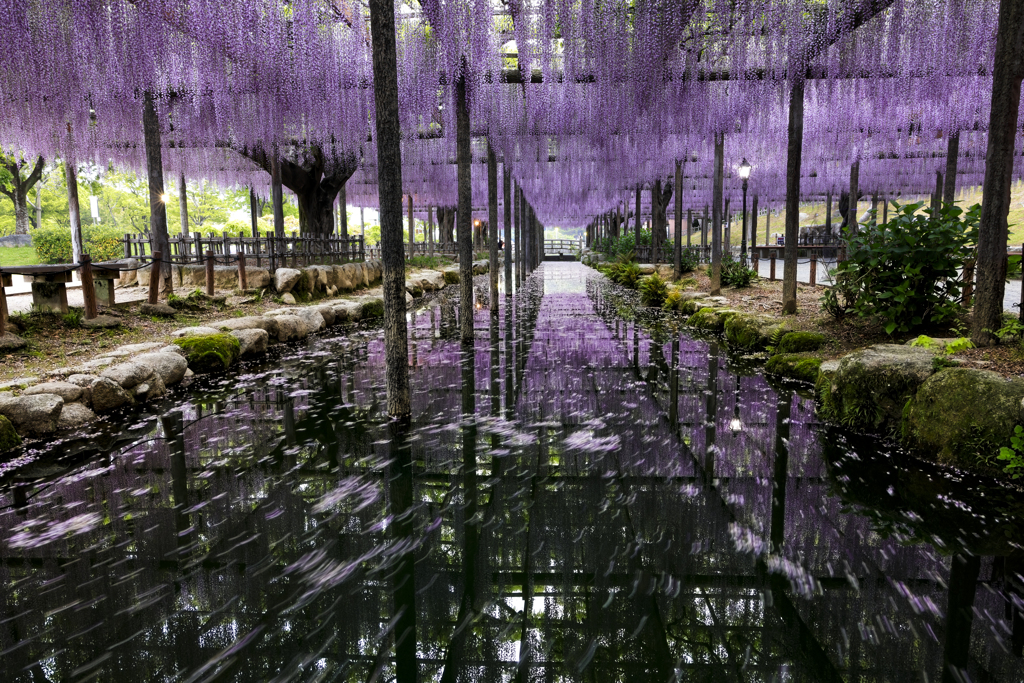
[501, 244]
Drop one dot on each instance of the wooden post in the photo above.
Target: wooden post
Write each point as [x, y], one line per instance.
[242, 282]
[3, 305]
[154, 276]
[88, 290]
[209, 272]
[814, 269]
[771, 270]
[753, 262]
[968, 292]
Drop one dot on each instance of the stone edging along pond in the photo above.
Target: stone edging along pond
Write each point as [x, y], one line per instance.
[73, 396]
[952, 415]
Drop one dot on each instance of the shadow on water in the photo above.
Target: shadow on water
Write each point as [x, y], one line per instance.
[585, 493]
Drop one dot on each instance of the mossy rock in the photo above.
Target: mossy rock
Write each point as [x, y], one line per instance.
[8, 437]
[961, 416]
[753, 332]
[210, 353]
[451, 276]
[373, 309]
[800, 342]
[800, 366]
[870, 387]
[711, 319]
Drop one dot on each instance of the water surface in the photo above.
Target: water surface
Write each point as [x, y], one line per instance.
[581, 496]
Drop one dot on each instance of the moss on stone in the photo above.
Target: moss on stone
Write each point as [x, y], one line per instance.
[751, 331]
[961, 416]
[373, 309]
[8, 437]
[869, 388]
[712, 319]
[210, 353]
[800, 342]
[451, 276]
[799, 366]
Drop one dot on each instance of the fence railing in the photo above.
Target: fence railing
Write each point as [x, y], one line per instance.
[561, 246]
[266, 251]
[419, 249]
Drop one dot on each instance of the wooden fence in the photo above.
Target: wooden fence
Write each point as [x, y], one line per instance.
[266, 252]
[420, 249]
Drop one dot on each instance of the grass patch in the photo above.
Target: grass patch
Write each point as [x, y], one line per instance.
[18, 256]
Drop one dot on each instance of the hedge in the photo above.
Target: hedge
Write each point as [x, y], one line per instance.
[53, 245]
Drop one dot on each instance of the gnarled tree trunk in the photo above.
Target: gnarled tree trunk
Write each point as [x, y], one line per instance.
[19, 189]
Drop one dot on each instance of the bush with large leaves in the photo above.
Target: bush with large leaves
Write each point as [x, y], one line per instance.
[907, 272]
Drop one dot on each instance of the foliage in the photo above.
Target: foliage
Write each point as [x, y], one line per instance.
[734, 273]
[625, 273]
[1014, 455]
[53, 245]
[625, 243]
[73, 318]
[1012, 328]
[653, 290]
[951, 347]
[672, 302]
[8, 437]
[906, 272]
[798, 342]
[688, 259]
[18, 256]
[429, 262]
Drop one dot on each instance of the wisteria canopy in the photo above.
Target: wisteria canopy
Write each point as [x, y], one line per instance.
[581, 100]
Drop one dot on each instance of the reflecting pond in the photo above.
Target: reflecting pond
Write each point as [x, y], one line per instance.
[586, 494]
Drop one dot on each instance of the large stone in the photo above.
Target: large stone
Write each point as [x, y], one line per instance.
[211, 353]
[131, 349]
[327, 312]
[451, 275]
[429, 280]
[169, 367]
[371, 307]
[11, 342]
[127, 375]
[349, 277]
[252, 322]
[870, 387]
[347, 311]
[319, 277]
[224, 277]
[142, 276]
[74, 415]
[158, 309]
[152, 389]
[108, 395]
[801, 366]
[66, 390]
[101, 322]
[251, 342]
[291, 328]
[962, 416]
[285, 279]
[8, 435]
[413, 288]
[711, 319]
[36, 414]
[200, 331]
[289, 298]
[753, 332]
[86, 368]
[800, 342]
[314, 320]
[18, 383]
[130, 273]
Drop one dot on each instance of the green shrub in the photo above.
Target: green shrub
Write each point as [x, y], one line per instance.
[1013, 455]
[734, 273]
[672, 302]
[907, 272]
[53, 245]
[653, 290]
[689, 259]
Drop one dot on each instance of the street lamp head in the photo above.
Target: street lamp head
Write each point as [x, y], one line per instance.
[744, 169]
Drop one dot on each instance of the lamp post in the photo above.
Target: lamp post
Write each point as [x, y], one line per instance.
[744, 176]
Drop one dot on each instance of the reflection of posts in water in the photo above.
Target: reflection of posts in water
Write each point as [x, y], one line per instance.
[174, 431]
[509, 379]
[780, 472]
[711, 414]
[469, 602]
[673, 385]
[963, 580]
[1011, 571]
[495, 348]
[400, 496]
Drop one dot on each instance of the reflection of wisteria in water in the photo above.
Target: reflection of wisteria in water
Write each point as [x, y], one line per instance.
[579, 497]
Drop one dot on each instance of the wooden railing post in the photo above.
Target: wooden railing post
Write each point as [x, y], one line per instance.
[88, 290]
[771, 269]
[814, 269]
[154, 276]
[243, 284]
[3, 306]
[209, 272]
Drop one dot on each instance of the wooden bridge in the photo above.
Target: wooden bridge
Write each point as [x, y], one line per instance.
[562, 250]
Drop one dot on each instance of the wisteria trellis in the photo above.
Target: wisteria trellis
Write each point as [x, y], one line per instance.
[603, 95]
